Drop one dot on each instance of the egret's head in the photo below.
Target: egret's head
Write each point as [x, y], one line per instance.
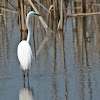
[32, 13]
[29, 15]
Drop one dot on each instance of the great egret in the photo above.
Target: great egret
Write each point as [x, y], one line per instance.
[24, 51]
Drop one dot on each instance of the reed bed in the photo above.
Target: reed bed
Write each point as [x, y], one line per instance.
[52, 11]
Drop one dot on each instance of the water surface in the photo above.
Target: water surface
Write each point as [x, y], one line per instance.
[67, 68]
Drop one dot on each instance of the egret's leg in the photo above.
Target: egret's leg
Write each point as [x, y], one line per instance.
[24, 74]
[24, 77]
[28, 73]
[28, 76]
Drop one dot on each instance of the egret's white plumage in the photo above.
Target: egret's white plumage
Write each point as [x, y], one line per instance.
[24, 51]
[24, 54]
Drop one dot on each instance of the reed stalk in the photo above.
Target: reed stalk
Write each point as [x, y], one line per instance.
[41, 19]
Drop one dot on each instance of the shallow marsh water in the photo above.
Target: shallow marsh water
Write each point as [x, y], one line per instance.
[67, 68]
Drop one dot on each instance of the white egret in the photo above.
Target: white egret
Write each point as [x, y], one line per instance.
[24, 51]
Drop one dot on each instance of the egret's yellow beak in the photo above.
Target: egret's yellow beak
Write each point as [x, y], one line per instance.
[37, 14]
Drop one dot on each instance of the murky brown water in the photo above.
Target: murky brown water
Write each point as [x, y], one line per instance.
[67, 68]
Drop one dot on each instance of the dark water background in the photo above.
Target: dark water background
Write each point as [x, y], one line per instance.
[67, 68]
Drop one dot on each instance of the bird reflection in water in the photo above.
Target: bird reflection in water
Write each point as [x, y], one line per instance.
[26, 93]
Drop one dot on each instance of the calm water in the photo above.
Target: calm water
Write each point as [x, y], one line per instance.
[67, 68]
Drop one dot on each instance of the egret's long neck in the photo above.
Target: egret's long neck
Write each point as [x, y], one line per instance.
[29, 29]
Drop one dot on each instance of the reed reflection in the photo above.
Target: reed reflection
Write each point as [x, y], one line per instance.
[83, 51]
